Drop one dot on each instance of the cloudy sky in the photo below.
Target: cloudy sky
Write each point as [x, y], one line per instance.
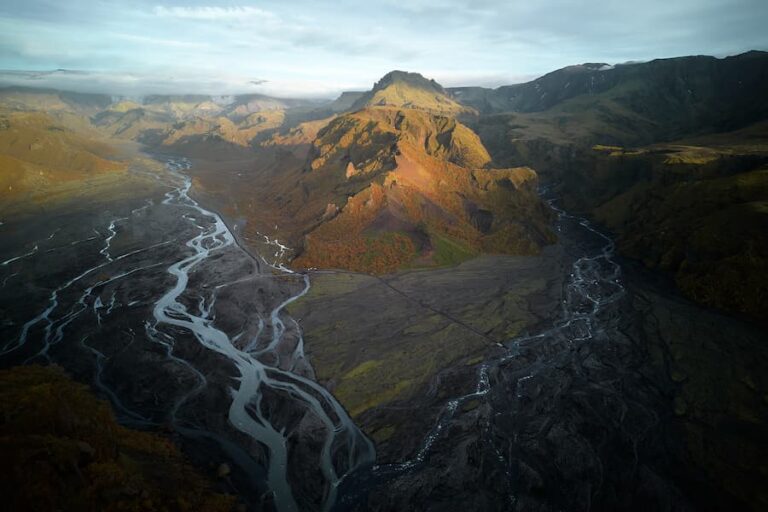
[318, 48]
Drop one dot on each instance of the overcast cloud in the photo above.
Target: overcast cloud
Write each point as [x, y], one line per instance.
[315, 48]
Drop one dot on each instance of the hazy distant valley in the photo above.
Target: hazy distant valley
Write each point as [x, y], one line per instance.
[544, 296]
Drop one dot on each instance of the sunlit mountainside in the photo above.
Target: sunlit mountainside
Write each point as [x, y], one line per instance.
[549, 295]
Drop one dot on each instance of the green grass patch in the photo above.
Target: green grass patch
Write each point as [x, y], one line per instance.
[362, 369]
[449, 252]
[383, 434]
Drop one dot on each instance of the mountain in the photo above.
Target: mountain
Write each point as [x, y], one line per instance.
[668, 154]
[362, 157]
[200, 126]
[345, 102]
[410, 90]
[39, 155]
[698, 91]
[696, 209]
[669, 158]
[660, 100]
[129, 120]
[394, 183]
[52, 101]
[390, 146]
[385, 187]
[402, 186]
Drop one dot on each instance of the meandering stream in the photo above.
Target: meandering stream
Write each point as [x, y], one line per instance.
[156, 303]
[270, 365]
[588, 313]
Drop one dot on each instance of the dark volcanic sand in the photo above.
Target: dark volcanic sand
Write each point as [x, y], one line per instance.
[152, 301]
[645, 402]
[636, 400]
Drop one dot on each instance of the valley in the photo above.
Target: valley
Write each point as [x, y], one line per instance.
[535, 297]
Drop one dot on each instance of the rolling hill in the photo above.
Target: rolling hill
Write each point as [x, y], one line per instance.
[38, 154]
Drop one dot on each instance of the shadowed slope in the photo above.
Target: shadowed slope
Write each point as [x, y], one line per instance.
[694, 206]
[62, 450]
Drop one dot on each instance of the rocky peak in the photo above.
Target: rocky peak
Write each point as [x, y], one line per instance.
[411, 79]
[410, 90]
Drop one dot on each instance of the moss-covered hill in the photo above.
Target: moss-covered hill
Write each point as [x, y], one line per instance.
[698, 212]
[663, 99]
[61, 449]
[670, 155]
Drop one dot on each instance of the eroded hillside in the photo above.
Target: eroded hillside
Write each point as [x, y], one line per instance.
[402, 186]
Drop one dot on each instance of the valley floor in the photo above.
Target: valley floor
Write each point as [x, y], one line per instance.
[568, 380]
[536, 397]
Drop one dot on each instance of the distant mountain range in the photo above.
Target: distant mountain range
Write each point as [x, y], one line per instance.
[670, 154]
[684, 80]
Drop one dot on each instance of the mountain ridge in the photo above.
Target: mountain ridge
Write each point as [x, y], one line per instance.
[550, 124]
[410, 90]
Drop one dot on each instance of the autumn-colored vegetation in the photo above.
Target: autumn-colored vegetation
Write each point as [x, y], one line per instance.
[412, 188]
[61, 449]
[39, 155]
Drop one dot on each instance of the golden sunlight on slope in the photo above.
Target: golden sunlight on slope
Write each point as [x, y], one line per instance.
[393, 187]
[413, 91]
[37, 154]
